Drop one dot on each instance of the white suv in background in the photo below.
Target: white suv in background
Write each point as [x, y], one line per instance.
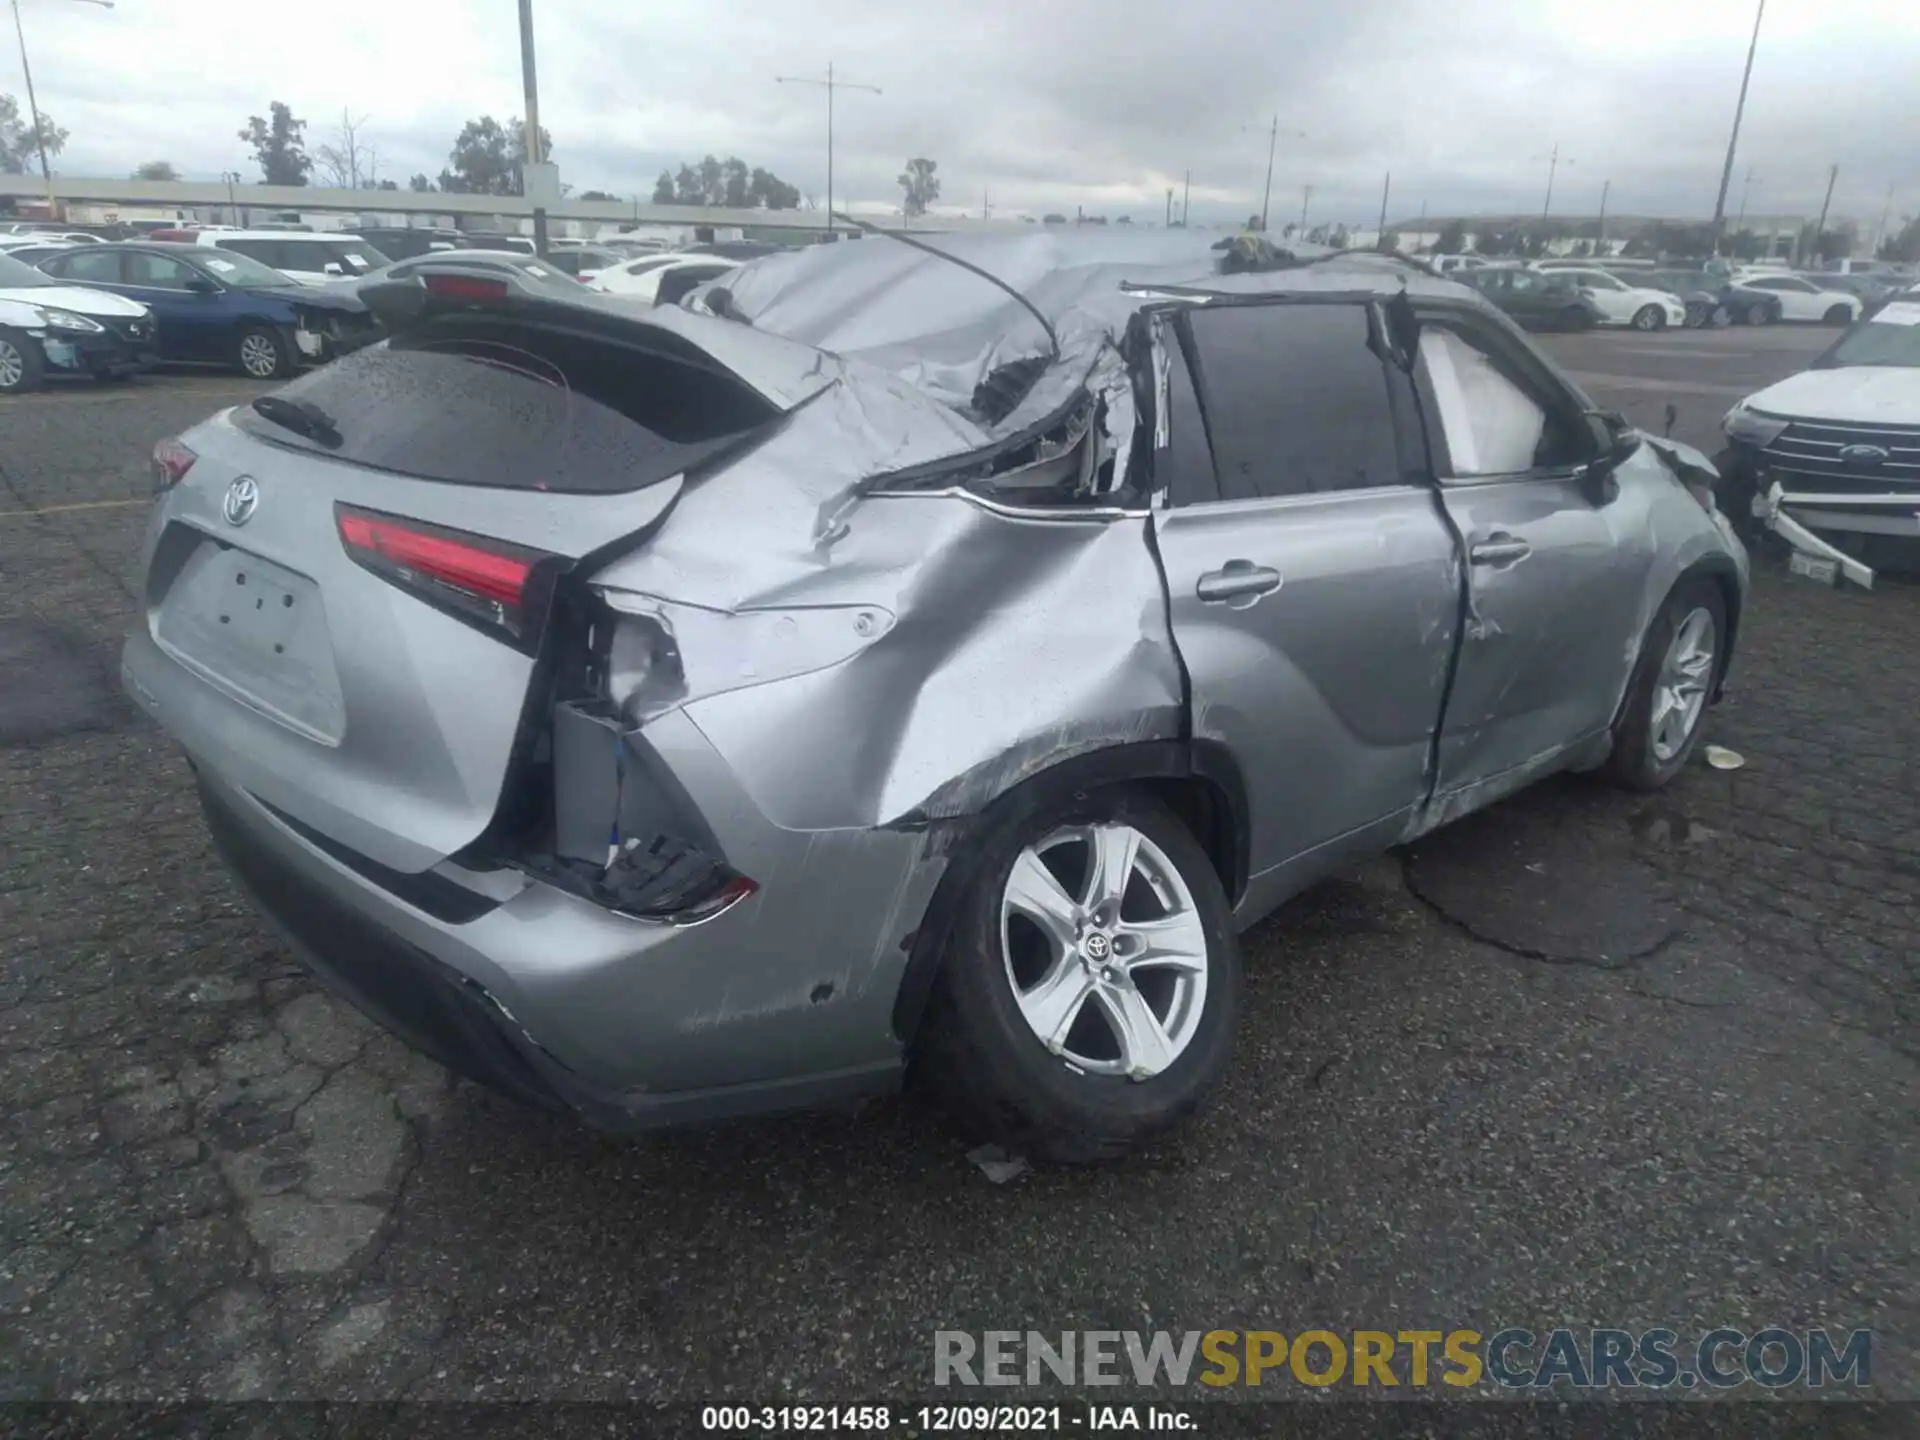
[309, 258]
[1801, 298]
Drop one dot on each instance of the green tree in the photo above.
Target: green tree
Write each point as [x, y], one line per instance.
[1452, 239]
[420, 185]
[157, 170]
[765, 190]
[19, 147]
[279, 145]
[663, 192]
[487, 157]
[597, 195]
[1905, 246]
[921, 184]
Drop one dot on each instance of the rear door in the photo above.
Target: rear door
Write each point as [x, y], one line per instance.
[346, 611]
[1553, 589]
[1312, 583]
[194, 325]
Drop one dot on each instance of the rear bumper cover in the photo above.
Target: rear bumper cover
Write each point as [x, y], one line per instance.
[783, 1001]
[427, 997]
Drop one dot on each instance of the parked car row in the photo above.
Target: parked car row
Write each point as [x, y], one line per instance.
[262, 302]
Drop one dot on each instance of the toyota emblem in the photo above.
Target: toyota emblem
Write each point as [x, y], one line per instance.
[243, 498]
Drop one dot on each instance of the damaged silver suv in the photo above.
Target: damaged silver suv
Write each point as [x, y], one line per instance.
[883, 664]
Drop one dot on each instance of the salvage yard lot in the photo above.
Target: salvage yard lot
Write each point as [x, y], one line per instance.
[1588, 1059]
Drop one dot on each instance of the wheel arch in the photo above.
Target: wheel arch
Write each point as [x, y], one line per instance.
[1198, 780]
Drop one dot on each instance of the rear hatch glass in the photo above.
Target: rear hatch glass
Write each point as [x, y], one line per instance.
[475, 401]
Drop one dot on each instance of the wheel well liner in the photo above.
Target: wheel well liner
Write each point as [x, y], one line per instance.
[1198, 780]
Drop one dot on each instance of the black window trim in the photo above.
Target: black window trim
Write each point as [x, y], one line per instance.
[1514, 357]
[1405, 443]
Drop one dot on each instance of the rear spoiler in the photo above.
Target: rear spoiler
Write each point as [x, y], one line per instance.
[783, 372]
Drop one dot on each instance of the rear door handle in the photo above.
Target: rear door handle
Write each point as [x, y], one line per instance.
[1499, 548]
[1239, 581]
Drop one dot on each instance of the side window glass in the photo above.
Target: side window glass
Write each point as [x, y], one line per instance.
[89, 265]
[1295, 401]
[157, 271]
[1492, 424]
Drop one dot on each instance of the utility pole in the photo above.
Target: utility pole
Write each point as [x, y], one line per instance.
[1886, 217]
[232, 177]
[532, 136]
[1266, 195]
[1600, 245]
[1553, 164]
[830, 84]
[1380, 235]
[33, 106]
[1306, 195]
[1820, 230]
[1169, 207]
[1745, 186]
[986, 205]
[1733, 140]
[1186, 196]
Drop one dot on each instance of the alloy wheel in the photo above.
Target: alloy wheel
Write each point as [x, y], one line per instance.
[1105, 950]
[13, 365]
[1680, 692]
[259, 356]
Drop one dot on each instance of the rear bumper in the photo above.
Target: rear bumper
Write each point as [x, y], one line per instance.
[470, 997]
[783, 1001]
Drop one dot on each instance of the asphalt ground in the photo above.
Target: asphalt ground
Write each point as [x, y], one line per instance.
[1588, 1059]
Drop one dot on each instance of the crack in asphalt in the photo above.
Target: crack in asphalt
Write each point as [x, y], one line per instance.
[1627, 961]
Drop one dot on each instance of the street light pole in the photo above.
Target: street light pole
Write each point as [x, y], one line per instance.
[1306, 194]
[1553, 164]
[1186, 196]
[1733, 140]
[233, 205]
[33, 105]
[1266, 195]
[1380, 235]
[1601, 243]
[532, 136]
[830, 84]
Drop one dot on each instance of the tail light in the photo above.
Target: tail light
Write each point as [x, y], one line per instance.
[171, 462]
[500, 588]
[465, 287]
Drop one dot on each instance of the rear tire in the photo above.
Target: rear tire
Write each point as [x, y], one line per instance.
[1838, 315]
[23, 369]
[1649, 317]
[1665, 712]
[1042, 945]
[1721, 317]
[262, 353]
[1759, 315]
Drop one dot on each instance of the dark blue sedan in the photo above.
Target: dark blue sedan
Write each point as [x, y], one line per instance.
[222, 308]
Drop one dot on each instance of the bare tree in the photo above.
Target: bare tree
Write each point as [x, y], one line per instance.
[348, 161]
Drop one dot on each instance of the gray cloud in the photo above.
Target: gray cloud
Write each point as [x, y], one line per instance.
[1049, 106]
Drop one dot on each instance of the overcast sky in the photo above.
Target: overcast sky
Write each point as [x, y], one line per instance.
[1046, 104]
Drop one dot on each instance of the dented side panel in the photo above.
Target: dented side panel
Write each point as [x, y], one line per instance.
[1328, 686]
[1011, 644]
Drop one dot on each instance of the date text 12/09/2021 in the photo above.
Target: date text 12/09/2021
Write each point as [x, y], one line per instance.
[944, 1419]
